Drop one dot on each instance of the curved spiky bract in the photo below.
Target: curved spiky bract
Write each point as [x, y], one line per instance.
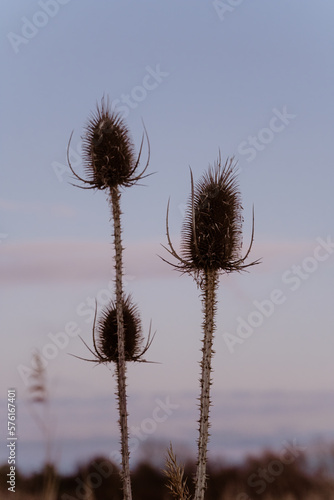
[108, 335]
[211, 234]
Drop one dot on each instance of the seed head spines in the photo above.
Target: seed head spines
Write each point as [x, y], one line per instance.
[108, 151]
[211, 236]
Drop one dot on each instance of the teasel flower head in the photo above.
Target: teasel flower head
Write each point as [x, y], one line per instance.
[107, 328]
[105, 340]
[108, 151]
[211, 236]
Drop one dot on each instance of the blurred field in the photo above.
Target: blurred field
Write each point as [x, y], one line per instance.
[268, 477]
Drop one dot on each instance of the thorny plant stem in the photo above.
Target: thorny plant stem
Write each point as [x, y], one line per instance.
[121, 367]
[209, 302]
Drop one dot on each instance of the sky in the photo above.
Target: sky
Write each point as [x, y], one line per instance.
[252, 80]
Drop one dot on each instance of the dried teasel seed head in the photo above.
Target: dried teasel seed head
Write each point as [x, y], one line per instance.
[107, 332]
[211, 234]
[108, 151]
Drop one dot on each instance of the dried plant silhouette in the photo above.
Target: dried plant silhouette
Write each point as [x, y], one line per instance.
[39, 405]
[108, 152]
[110, 164]
[177, 485]
[106, 344]
[210, 244]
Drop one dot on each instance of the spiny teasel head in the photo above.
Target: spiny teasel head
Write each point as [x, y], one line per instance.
[211, 236]
[107, 332]
[108, 151]
[105, 341]
[211, 233]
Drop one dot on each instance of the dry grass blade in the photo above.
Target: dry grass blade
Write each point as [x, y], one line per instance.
[39, 405]
[37, 389]
[176, 484]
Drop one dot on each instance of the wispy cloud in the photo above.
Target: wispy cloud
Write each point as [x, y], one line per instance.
[36, 207]
[242, 423]
[77, 261]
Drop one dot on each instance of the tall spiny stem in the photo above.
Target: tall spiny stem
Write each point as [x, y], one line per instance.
[121, 367]
[110, 163]
[209, 302]
[210, 245]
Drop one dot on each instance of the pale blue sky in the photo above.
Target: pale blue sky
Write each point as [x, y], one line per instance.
[257, 84]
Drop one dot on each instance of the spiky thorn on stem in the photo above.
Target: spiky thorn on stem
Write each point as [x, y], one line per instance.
[209, 306]
[121, 367]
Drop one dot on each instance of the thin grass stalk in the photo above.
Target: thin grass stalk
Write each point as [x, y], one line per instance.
[50, 489]
[209, 303]
[39, 395]
[121, 366]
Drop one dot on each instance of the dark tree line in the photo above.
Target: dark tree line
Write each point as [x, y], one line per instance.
[257, 478]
